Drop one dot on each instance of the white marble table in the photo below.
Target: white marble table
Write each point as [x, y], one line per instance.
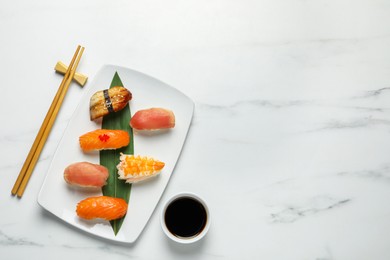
[290, 140]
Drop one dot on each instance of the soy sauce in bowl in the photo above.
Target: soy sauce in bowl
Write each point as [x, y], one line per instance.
[185, 217]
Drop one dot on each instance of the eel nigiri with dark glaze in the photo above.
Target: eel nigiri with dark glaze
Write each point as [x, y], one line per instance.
[108, 101]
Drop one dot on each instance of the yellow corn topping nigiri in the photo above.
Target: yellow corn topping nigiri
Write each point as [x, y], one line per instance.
[135, 168]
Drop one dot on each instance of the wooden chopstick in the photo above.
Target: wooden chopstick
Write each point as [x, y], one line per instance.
[36, 149]
[38, 138]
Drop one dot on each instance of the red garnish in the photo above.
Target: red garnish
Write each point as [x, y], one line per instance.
[104, 137]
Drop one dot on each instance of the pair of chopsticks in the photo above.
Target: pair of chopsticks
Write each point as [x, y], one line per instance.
[36, 149]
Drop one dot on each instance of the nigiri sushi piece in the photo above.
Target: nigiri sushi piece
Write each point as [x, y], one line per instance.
[108, 101]
[138, 168]
[104, 207]
[85, 174]
[153, 119]
[102, 139]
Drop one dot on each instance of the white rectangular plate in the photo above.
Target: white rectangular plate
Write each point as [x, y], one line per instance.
[59, 198]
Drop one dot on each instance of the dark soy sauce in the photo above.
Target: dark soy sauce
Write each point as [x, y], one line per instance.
[185, 217]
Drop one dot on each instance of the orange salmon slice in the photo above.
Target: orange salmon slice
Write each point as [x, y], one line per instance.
[102, 139]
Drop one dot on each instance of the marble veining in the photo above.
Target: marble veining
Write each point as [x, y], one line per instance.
[381, 174]
[6, 240]
[290, 139]
[375, 92]
[315, 205]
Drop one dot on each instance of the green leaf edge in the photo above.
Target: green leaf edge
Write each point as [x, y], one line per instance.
[110, 158]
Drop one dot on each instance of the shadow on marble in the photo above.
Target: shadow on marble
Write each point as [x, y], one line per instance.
[185, 249]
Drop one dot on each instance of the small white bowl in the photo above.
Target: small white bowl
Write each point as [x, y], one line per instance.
[180, 239]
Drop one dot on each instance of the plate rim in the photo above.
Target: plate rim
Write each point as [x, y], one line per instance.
[41, 201]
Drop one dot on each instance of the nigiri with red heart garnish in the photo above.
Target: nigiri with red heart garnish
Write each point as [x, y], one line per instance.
[103, 139]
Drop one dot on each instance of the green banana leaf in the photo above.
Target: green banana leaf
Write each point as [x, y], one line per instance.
[110, 158]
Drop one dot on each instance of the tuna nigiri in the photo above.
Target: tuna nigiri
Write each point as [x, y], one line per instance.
[102, 139]
[136, 168]
[103, 207]
[153, 119]
[85, 174]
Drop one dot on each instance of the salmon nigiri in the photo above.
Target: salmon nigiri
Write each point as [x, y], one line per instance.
[138, 168]
[153, 119]
[102, 139]
[85, 174]
[104, 207]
